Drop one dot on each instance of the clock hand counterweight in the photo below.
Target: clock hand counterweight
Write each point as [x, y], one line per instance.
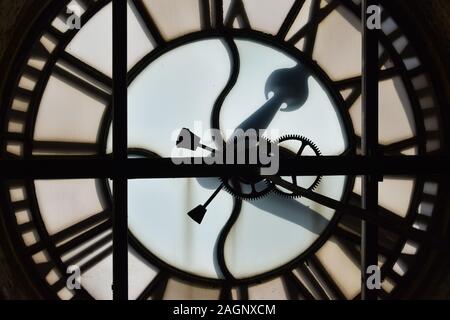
[290, 87]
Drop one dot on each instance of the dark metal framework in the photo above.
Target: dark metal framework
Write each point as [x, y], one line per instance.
[120, 150]
[369, 194]
[373, 164]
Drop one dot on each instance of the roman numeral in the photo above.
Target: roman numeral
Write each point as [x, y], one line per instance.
[325, 279]
[156, 288]
[310, 38]
[72, 238]
[152, 29]
[295, 288]
[211, 14]
[309, 30]
[348, 236]
[84, 77]
[354, 84]
[86, 70]
[237, 13]
[86, 234]
[205, 14]
[290, 19]
[396, 148]
[81, 226]
[76, 236]
[314, 286]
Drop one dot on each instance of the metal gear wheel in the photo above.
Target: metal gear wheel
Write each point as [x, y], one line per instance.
[248, 188]
[305, 144]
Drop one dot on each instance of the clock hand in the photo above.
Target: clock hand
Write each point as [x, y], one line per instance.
[290, 87]
[198, 213]
[188, 140]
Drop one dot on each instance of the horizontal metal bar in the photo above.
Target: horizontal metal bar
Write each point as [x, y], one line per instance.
[79, 167]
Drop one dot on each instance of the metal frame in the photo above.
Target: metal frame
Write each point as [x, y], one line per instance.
[369, 192]
[120, 150]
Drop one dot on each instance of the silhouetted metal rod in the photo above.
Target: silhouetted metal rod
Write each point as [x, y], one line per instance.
[369, 144]
[120, 151]
[79, 167]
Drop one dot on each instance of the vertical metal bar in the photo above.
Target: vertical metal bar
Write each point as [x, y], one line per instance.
[369, 238]
[120, 146]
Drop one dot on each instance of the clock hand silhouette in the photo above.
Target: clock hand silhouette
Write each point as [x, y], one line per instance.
[289, 87]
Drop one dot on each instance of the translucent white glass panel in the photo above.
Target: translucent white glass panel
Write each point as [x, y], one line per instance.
[258, 62]
[14, 148]
[175, 18]
[177, 290]
[271, 290]
[93, 43]
[395, 113]
[400, 267]
[345, 273]
[23, 216]
[67, 114]
[30, 238]
[17, 194]
[27, 83]
[20, 105]
[158, 218]
[140, 274]
[63, 203]
[65, 294]
[388, 285]
[139, 43]
[394, 194]
[177, 90]
[41, 257]
[48, 42]
[52, 277]
[338, 45]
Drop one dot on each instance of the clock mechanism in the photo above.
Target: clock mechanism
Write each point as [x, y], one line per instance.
[304, 147]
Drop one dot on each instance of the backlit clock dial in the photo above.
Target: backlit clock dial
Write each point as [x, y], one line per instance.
[205, 65]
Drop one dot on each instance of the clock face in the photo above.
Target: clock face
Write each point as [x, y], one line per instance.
[212, 65]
